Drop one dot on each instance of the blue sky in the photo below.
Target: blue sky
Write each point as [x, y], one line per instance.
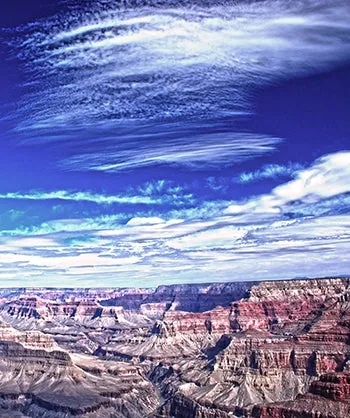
[168, 142]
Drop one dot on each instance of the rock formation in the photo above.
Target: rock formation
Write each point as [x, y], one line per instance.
[37, 378]
[272, 349]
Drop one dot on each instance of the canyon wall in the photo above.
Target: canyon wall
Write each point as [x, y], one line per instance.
[272, 349]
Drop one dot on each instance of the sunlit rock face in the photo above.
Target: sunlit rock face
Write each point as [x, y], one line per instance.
[265, 350]
[328, 396]
[39, 378]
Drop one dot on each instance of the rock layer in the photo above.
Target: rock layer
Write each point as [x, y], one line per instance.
[273, 349]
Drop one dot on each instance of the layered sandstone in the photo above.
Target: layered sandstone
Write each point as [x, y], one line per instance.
[40, 379]
[273, 349]
[327, 397]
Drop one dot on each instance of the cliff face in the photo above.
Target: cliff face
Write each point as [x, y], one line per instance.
[201, 298]
[274, 349]
[40, 379]
[274, 345]
[185, 297]
[216, 321]
[333, 386]
[327, 397]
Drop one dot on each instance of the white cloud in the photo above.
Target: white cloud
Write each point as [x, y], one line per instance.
[219, 237]
[126, 58]
[327, 177]
[135, 69]
[34, 242]
[199, 152]
[269, 171]
[68, 225]
[145, 221]
[80, 196]
[152, 193]
[250, 240]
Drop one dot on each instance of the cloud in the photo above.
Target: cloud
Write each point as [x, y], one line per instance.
[328, 177]
[161, 83]
[31, 242]
[193, 150]
[217, 184]
[156, 193]
[189, 252]
[145, 61]
[336, 205]
[80, 197]
[68, 225]
[258, 238]
[216, 238]
[166, 190]
[162, 186]
[145, 221]
[269, 171]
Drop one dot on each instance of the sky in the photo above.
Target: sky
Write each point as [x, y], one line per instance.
[155, 142]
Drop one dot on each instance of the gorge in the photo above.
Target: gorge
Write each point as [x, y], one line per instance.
[273, 349]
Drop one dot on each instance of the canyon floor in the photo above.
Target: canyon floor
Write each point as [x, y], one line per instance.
[278, 349]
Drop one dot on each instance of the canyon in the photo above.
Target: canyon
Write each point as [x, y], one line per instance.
[273, 349]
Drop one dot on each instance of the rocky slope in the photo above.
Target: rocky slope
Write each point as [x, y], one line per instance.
[327, 397]
[37, 378]
[272, 349]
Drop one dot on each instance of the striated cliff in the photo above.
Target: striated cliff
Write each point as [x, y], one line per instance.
[327, 397]
[273, 346]
[37, 378]
[273, 349]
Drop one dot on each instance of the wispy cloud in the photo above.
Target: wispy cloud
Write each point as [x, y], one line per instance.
[147, 61]
[151, 193]
[68, 225]
[166, 190]
[80, 197]
[262, 237]
[145, 72]
[197, 151]
[269, 171]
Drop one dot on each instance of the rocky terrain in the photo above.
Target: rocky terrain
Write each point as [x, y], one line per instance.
[278, 349]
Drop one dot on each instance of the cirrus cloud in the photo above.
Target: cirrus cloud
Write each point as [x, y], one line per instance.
[151, 83]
